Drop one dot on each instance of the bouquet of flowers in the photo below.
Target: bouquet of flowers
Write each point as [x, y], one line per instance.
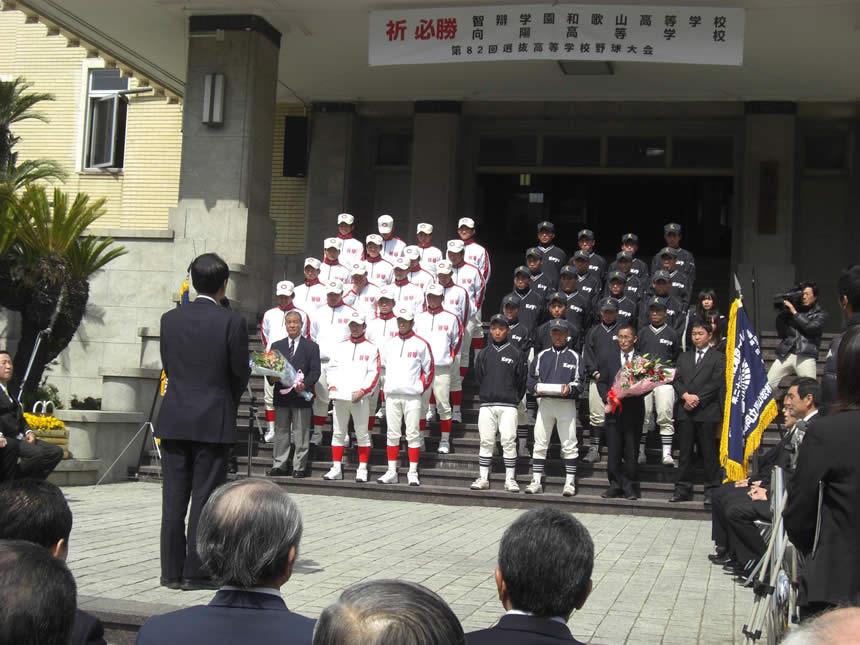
[273, 364]
[638, 377]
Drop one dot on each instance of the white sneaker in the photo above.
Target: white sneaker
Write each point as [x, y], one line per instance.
[535, 488]
[512, 486]
[444, 447]
[430, 416]
[389, 477]
[270, 434]
[412, 478]
[569, 490]
[457, 416]
[316, 437]
[361, 476]
[642, 458]
[334, 473]
[480, 484]
[668, 461]
[380, 413]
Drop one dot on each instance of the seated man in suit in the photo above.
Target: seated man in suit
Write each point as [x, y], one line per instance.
[388, 611]
[699, 381]
[248, 539]
[37, 458]
[37, 596]
[544, 574]
[36, 511]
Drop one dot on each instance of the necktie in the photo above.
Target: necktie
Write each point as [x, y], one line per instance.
[626, 358]
[292, 347]
[699, 354]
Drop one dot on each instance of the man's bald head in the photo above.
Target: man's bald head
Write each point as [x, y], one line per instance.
[836, 627]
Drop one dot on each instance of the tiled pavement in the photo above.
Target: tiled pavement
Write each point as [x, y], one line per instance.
[652, 581]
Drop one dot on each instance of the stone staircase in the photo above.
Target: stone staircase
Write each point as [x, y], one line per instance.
[446, 478]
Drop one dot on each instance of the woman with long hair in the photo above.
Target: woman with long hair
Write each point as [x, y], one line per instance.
[707, 312]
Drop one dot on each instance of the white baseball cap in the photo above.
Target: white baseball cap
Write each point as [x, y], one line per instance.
[466, 221]
[312, 262]
[359, 268]
[373, 238]
[412, 252]
[333, 243]
[387, 293]
[445, 267]
[435, 289]
[385, 223]
[284, 288]
[345, 218]
[334, 286]
[401, 263]
[405, 313]
[456, 246]
[356, 317]
[424, 227]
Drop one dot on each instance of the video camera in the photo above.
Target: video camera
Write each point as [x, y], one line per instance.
[794, 296]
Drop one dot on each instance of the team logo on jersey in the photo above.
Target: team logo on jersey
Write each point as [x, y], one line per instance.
[505, 359]
[364, 357]
[568, 365]
[412, 354]
[667, 341]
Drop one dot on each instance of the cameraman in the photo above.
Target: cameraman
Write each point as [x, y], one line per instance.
[799, 329]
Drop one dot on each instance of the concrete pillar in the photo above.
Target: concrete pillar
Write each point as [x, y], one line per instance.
[332, 150]
[435, 155]
[767, 205]
[225, 176]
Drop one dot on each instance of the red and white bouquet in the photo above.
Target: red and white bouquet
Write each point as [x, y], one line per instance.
[636, 378]
[273, 364]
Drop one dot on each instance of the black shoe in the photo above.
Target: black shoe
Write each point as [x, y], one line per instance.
[299, 474]
[719, 555]
[198, 584]
[721, 560]
[631, 495]
[732, 566]
[611, 493]
[681, 497]
[170, 583]
[277, 472]
[707, 503]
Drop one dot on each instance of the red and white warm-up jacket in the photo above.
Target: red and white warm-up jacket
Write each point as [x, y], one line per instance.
[408, 295]
[273, 327]
[430, 255]
[333, 270]
[474, 253]
[456, 300]
[469, 277]
[364, 300]
[330, 326]
[351, 250]
[442, 331]
[421, 277]
[355, 365]
[408, 363]
[310, 296]
[392, 247]
[380, 270]
[382, 329]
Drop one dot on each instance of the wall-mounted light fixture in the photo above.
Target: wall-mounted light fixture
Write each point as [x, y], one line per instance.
[213, 99]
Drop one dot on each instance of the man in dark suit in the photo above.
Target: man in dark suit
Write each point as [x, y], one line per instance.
[249, 535]
[17, 441]
[36, 511]
[624, 426]
[544, 573]
[700, 378]
[292, 411]
[204, 352]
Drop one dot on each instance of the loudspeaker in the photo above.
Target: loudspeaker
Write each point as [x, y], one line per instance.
[295, 146]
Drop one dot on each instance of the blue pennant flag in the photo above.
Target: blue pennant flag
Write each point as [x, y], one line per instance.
[749, 406]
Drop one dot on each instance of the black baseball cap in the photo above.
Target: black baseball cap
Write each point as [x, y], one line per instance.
[657, 303]
[608, 304]
[522, 269]
[533, 252]
[668, 250]
[581, 255]
[672, 227]
[567, 270]
[511, 301]
[498, 319]
[559, 323]
[624, 255]
[661, 275]
[546, 226]
[558, 295]
[630, 237]
[616, 275]
[585, 233]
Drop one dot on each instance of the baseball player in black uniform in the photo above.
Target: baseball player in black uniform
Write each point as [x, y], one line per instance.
[579, 306]
[540, 281]
[661, 287]
[532, 304]
[554, 257]
[600, 345]
[589, 283]
[630, 244]
[518, 333]
[596, 264]
[557, 309]
[616, 287]
[685, 259]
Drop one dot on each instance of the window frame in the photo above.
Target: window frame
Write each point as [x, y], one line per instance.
[113, 162]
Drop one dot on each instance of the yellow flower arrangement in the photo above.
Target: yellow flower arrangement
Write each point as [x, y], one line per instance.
[45, 424]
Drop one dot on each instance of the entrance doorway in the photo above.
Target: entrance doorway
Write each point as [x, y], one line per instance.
[511, 205]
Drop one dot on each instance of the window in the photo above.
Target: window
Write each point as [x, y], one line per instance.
[571, 151]
[107, 109]
[637, 152]
[394, 149]
[826, 152]
[508, 151]
[702, 152]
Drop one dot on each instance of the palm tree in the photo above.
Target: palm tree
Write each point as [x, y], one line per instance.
[16, 106]
[48, 267]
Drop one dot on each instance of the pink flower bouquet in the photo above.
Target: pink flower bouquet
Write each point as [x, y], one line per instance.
[636, 378]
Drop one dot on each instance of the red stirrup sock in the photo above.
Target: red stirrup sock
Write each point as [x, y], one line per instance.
[363, 454]
[414, 453]
[457, 397]
[319, 422]
[370, 422]
[393, 452]
[445, 426]
[270, 416]
[336, 453]
[422, 425]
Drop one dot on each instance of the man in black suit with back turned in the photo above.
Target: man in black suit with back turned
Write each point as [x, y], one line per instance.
[700, 378]
[204, 352]
[544, 573]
